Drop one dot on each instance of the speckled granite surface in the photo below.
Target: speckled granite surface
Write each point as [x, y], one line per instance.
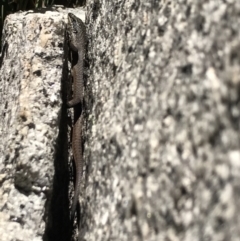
[162, 129]
[162, 143]
[34, 173]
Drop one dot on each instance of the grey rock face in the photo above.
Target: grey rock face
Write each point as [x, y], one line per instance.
[162, 138]
[30, 106]
[162, 130]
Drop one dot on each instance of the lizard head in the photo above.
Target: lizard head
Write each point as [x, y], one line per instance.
[76, 29]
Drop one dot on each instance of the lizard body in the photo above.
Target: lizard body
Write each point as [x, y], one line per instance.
[77, 37]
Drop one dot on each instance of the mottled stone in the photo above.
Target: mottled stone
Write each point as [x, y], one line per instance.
[162, 121]
[33, 142]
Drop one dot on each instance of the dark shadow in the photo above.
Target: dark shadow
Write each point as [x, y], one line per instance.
[3, 53]
[58, 226]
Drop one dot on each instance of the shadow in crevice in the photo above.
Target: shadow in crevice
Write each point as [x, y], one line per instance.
[58, 227]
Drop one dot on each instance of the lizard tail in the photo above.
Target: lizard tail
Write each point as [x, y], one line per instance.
[77, 154]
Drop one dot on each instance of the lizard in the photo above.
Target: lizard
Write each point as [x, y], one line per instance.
[77, 38]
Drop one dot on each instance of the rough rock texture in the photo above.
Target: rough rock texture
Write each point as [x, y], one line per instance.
[162, 123]
[162, 131]
[34, 200]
